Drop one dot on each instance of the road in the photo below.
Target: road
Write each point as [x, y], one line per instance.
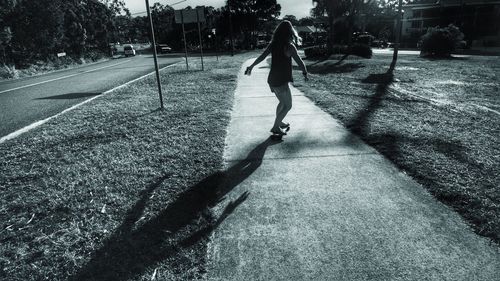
[27, 100]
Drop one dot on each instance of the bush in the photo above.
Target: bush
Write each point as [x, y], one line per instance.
[317, 52]
[440, 42]
[8, 72]
[322, 51]
[361, 50]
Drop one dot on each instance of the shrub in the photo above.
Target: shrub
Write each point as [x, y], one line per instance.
[361, 50]
[322, 51]
[440, 42]
[317, 52]
[8, 72]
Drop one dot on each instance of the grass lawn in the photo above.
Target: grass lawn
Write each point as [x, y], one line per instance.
[438, 120]
[117, 189]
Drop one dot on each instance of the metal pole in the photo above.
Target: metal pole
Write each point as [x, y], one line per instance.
[154, 53]
[185, 43]
[199, 35]
[231, 31]
[216, 47]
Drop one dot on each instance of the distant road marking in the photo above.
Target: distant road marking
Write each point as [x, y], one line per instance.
[63, 77]
[40, 122]
[486, 108]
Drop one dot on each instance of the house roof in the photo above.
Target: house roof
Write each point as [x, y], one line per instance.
[309, 29]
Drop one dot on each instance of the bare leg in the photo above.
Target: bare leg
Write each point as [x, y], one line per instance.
[279, 108]
[285, 104]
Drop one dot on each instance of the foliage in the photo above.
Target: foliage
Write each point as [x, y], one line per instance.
[37, 30]
[317, 52]
[441, 42]
[360, 50]
[306, 21]
[37, 27]
[322, 51]
[248, 15]
[292, 19]
[8, 72]
[258, 9]
[343, 17]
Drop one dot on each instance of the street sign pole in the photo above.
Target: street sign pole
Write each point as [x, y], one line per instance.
[231, 32]
[199, 35]
[214, 31]
[184, 36]
[154, 53]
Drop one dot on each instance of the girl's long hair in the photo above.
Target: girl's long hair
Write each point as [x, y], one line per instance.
[284, 34]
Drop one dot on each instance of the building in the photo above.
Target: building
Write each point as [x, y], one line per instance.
[311, 35]
[479, 20]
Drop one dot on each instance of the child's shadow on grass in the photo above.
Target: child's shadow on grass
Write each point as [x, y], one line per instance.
[129, 251]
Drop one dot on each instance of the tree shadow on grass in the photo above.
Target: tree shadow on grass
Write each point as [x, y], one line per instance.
[390, 144]
[334, 67]
[359, 123]
[69, 96]
[429, 171]
[134, 248]
[392, 99]
[185, 71]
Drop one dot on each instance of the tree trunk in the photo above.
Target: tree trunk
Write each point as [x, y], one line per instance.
[330, 30]
[398, 35]
[351, 21]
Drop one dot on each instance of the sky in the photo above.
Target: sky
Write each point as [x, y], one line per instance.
[298, 8]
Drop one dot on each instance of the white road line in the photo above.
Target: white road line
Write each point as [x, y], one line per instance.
[486, 108]
[63, 77]
[40, 122]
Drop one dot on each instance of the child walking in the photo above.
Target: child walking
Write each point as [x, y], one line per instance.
[282, 51]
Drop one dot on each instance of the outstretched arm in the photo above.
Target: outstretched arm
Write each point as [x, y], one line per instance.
[298, 60]
[259, 59]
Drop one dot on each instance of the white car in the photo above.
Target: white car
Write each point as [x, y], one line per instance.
[129, 50]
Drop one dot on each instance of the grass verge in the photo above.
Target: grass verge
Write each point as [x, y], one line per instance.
[117, 189]
[437, 120]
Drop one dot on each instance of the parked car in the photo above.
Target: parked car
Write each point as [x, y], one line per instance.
[129, 50]
[363, 38]
[379, 44]
[163, 48]
[262, 44]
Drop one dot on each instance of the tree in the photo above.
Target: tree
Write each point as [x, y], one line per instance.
[248, 15]
[163, 21]
[6, 7]
[398, 35]
[74, 29]
[291, 18]
[334, 10]
[116, 7]
[306, 21]
[37, 27]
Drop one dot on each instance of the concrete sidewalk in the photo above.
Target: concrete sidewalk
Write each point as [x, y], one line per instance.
[322, 205]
